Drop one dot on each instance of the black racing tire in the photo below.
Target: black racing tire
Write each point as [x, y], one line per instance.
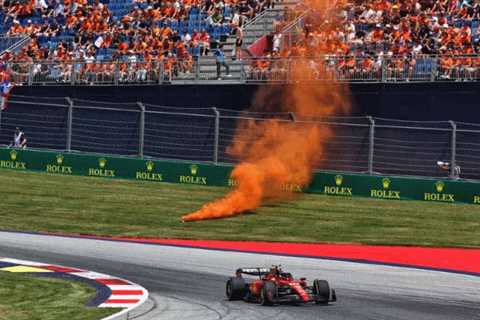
[235, 288]
[321, 288]
[269, 294]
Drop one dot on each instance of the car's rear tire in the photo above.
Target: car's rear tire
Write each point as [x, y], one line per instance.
[321, 288]
[235, 288]
[269, 294]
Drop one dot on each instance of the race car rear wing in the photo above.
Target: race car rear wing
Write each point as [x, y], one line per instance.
[254, 271]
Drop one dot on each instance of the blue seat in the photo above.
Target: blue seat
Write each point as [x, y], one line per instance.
[192, 17]
[194, 11]
[226, 29]
[182, 27]
[174, 25]
[195, 51]
[216, 32]
[227, 11]
[474, 27]
[52, 45]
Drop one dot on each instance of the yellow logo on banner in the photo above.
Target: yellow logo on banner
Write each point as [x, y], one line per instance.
[337, 189]
[386, 183]
[13, 163]
[287, 187]
[338, 180]
[193, 169]
[439, 186]
[193, 178]
[150, 165]
[439, 196]
[385, 193]
[232, 182]
[292, 187]
[149, 175]
[102, 162]
[58, 167]
[13, 155]
[476, 199]
[60, 159]
[101, 171]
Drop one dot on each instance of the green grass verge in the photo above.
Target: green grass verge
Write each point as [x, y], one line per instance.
[26, 297]
[41, 202]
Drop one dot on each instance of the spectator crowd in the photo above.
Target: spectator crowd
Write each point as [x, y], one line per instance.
[354, 37]
[149, 35]
[396, 37]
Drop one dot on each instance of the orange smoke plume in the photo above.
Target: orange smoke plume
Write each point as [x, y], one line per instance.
[275, 153]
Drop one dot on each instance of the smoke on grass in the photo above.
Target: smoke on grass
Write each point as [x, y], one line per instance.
[276, 154]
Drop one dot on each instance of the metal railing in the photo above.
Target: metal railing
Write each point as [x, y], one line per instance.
[293, 30]
[262, 70]
[364, 69]
[262, 24]
[13, 43]
[358, 144]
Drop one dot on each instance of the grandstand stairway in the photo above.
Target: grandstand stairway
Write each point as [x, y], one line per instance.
[261, 25]
[258, 27]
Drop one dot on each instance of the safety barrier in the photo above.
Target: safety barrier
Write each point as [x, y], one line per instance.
[328, 183]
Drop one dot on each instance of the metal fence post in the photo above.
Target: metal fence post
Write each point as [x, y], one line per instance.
[289, 70]
[68, 146]
[453, 160]
[161, 72]
[30, 74]
[141, 130]
[433, 71]
[243, 76]
[292, 116]
[116, 73]
[73, 74]
[384, 71]
[197, 68]
[216, 137]
[371, 144]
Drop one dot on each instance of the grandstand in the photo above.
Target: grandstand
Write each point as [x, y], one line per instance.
[125, 41]
[96, 40]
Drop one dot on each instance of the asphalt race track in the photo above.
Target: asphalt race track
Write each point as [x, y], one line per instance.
[187, 283]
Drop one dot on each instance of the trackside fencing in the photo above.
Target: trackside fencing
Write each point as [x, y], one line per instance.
[375, 146]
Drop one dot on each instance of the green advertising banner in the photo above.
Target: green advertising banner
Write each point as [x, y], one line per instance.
[345, 185]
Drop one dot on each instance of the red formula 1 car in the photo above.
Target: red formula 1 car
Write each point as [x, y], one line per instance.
[276, 286]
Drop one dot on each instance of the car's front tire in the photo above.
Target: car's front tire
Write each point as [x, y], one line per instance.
[321, 288]
[269, 294]
[235, 288]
